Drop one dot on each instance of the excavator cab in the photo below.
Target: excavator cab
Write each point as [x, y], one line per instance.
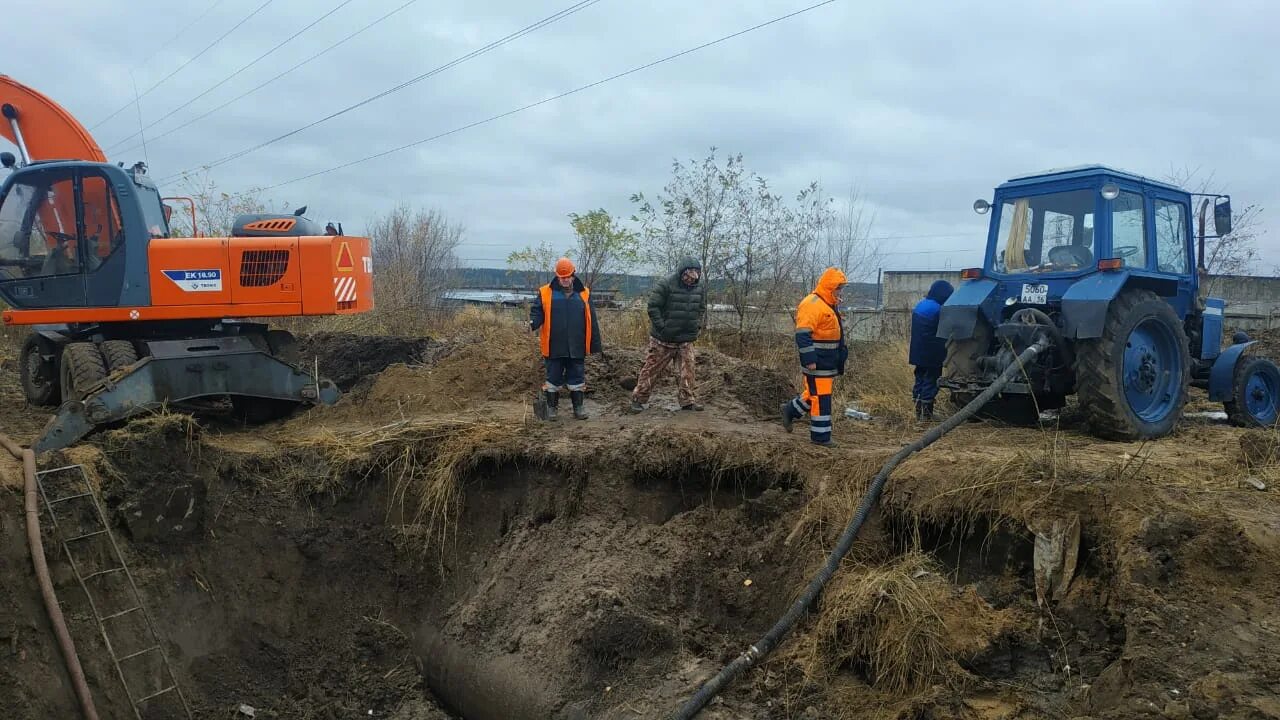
[71, 233]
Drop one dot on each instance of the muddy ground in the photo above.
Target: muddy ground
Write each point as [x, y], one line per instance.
[426, 550]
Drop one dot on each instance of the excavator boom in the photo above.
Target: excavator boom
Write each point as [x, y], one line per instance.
[41, 128]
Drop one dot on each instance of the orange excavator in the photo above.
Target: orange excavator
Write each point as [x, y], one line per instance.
[125, 317]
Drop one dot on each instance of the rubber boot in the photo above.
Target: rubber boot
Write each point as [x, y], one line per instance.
[788, 422]
[578, 397]
[919, 411]
[553, 399]
[926, 411]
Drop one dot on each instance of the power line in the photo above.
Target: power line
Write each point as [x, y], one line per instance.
[226, 79]
[179, 34]
[539, 103]
[188, 62]
[247, 93]
[583, 4]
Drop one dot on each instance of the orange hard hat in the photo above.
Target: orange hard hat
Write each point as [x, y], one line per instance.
[564, 268]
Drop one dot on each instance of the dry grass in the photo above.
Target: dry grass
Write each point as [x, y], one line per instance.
[879, 382]
[424, 463]
[886, 622]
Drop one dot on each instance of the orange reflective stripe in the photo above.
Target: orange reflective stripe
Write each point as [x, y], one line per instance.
[545, 330]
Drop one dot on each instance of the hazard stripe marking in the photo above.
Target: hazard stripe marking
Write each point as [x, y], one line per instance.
[344, 289]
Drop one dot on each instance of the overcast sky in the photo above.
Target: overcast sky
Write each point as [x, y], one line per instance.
[924, 105]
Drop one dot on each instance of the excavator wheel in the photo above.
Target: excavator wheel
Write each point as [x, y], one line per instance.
[119, 353]
[39, 377]
[82, 367]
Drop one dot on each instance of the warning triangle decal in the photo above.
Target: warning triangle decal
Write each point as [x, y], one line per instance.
[346, 263]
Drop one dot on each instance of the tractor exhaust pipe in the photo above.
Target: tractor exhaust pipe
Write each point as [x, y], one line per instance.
[11, 114]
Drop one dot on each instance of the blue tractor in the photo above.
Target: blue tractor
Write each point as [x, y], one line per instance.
[1104, 265]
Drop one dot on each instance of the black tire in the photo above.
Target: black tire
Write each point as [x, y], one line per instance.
[962, 355]
[40, 382]
[118, 354]
[82, 367]
[1255, 393]
[1100, 368]
[284, 346]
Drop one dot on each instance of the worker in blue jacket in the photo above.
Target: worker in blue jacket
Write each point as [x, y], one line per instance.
[928, 351]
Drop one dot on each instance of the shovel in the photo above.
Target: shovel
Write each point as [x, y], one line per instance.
[539, 398]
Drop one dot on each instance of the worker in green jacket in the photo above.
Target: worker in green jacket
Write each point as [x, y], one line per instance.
[676, 306]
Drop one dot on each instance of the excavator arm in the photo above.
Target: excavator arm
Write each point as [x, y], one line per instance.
[41, 128]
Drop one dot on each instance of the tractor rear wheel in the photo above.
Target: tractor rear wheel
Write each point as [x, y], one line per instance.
[1255, 393]
[1133, 380]
[39, 376]
[82, 367]
[118, 354]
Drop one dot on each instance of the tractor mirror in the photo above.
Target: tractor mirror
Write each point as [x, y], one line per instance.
[168, 213]
[1222, 216]
[982, 207]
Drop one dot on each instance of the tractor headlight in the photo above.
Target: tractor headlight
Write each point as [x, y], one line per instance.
[982, 207]
[1110, 191]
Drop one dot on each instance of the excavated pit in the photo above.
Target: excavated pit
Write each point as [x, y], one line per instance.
[605, 569]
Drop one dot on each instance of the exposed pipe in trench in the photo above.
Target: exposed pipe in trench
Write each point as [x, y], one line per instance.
[31, 506]
[766, 644]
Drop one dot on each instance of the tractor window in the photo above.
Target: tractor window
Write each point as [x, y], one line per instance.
[38, 227]
[1129, 230]
[103, 231]
[1046, 233]
[1171, 236]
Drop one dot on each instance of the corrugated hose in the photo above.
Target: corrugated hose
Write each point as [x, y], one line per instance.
[774, 636]
[31, 505]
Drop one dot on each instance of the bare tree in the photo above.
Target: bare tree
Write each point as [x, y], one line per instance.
[216, 210]
[1235, 253]
[756, 246]
[845, 242]
[601, 247]
[414, 257]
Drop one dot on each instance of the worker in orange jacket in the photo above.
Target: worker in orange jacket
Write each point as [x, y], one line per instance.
[823, 353]
[563, 316]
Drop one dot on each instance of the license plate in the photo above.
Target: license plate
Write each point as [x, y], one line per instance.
[1035, 294]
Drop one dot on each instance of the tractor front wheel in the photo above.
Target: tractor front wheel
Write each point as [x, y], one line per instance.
[1255, 393]
[1133, 380]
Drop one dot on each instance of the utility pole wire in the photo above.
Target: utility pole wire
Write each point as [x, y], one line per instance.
[457, 61]
[178, 34]
[193, 58]
[249, 92]
[532, 105]
[226, 79]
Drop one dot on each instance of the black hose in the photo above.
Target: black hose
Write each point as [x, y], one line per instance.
[766, 644]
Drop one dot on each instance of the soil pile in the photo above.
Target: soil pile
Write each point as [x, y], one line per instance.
[346, 358]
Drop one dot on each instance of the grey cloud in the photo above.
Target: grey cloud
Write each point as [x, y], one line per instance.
[925, 106]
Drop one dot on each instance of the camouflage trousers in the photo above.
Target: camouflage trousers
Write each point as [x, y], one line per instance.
[656, 359]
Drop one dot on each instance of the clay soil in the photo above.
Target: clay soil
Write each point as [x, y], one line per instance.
[426, 549]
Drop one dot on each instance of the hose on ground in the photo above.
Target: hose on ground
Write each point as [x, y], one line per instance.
[31, 506]
[773, 637]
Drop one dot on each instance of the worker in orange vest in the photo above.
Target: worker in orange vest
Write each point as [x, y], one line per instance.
[823, 353]
[563, 315]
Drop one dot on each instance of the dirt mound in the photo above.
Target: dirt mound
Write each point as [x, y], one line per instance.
[464, 375]
[346, 358]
